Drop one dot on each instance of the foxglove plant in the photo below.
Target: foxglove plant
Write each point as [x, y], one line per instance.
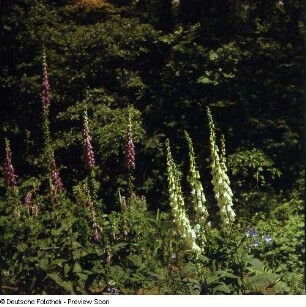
[90, 206]
[96, 232]
[46, 89]
[90, 185]
[177, 204]
[49, 163]
[129, 157]
[29, 202]
[198, 196]
[89, 157]
[124, 209]
[223, 153]
[29, 197]
[56, 184]
[223, 160]
[10, 180]
[85, 201]
[129, 149]
[9, 173]
[221, 183]
[45, 99]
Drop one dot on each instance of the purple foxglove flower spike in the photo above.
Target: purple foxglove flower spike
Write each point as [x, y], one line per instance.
[9, 174]
[29, 196]
[56, 179]
[46, 89]
[96, 231]
[89, 157]
[129, 149]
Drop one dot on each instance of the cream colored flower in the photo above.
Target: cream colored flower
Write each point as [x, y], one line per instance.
[220, 181]
[177, 204]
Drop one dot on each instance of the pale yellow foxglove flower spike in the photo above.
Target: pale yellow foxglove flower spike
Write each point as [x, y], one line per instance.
[198, 196]
[221, 183]
[177, 204]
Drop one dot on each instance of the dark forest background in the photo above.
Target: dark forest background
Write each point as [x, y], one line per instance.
[159, 64]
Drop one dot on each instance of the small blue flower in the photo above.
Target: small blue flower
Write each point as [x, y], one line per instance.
[256, 243]
[250, 232]
[267, 238]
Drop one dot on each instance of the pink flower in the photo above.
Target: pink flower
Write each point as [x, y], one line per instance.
[29, 196]
[9, 174]
[56, 179]
[46, 90]
[129, 149]
[89, 157]
[97, 234]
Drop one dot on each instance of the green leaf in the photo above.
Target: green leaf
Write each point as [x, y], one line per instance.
[188, 268]
[136, 260]
[256, 263]
[77, 268]
[55, 277]
[211, 279]
[59, 261]
[221, 289]
[204, 80]
[55, 232]
[68, 286]
[43, 264]
[22, 247]
[203, 258]
[76, 244]
[213, 55]
[67, 268]
[261, 280]
[82, 277]
[33, 282]
[228, 275]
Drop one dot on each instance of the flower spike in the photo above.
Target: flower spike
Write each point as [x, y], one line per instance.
[129, 149]
[46, 89]
[9, 173]
[89, 157]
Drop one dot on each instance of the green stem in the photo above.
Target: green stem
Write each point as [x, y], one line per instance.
[93, 185]
[47, 145]
[130, 183]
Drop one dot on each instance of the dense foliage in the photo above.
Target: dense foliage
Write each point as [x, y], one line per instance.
[108, 155]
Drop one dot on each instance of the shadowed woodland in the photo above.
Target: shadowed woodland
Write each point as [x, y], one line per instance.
[152, 147]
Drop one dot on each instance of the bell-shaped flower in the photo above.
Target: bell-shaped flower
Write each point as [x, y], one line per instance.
[129, 149]
[9, 173]
[88, 153]
[46, 89]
